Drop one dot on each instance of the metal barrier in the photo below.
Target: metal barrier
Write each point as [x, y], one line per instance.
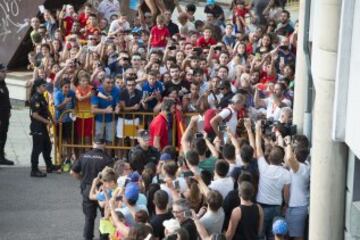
[128, 122]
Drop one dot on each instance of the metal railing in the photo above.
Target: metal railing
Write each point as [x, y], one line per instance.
[124, 127]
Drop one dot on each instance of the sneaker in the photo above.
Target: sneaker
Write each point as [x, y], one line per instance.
[37, 173]
[53, 169]
[66, 166]
[4, 161]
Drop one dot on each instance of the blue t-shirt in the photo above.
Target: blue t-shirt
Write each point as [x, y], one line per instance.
[133, 4]
[59, 97]
[147, 90]
[102, 103]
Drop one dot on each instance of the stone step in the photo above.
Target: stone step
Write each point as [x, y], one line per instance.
[16, 82]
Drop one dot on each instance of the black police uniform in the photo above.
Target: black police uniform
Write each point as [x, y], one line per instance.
[5, 108]
[39, 132]
[149, 155]
[89, 165]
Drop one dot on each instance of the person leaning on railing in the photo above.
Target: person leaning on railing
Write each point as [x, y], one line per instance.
[103, 106]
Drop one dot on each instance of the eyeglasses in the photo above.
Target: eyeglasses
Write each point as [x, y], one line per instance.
[177, 212]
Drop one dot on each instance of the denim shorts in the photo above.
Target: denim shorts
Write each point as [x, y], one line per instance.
[296, 218]
[106, 129]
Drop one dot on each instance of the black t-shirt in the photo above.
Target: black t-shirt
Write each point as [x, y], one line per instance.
[216, 10]
[150, 155]
[225, 100]
[181, 86]
[5, 105]
[190, 226]
[38, 104]
[131, 100]
[231, 201]
[89, 165]
[156, 222]
[173, 28]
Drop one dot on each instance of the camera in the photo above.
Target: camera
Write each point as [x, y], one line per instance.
[172, 47]
[218, 48]
[199, 135]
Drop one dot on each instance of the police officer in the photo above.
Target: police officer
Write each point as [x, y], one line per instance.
[5, 108]
[40, 120]
[86, 169]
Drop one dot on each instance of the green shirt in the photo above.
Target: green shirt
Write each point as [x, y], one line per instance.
[208, 164]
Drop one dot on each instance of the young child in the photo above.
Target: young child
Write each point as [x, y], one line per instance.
[159, 34]
[84, 121]
[206, 40]
[240, 11]
[229, 39]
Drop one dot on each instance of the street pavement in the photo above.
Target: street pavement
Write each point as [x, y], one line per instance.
[39, 209]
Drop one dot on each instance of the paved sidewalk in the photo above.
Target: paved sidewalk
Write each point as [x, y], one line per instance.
[19, 143]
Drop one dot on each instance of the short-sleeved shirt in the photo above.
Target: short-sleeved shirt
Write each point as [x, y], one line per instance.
[90, 164]
[230, 116]
[102, 103]
[208, 164]
[130, 100]
[272, 180]
[83, 107]
[59, 98]
[223, 185]
[147, 90]
[300, 186]
[216, 10]
[202, 42]
[39, 105]
[159, 128]
[159, 36]
[156, 222]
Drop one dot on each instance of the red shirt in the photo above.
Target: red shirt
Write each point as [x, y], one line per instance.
[83, 19]
[208, 115]
[68, 22]
[159, 128]
[158, 36]
[241, 12]
[202, 42]
[265, 78]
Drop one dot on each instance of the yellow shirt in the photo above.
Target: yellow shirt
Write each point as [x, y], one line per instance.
[83, 108]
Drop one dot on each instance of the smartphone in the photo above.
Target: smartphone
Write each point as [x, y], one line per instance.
[172, 48]
[177, 185]
[199, 135]
[188, 174]
[119, 198]
[41, 8]
[218, 48]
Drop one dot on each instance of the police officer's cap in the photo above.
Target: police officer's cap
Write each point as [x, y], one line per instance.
[99, 139]
[38, 82]
[2, 67]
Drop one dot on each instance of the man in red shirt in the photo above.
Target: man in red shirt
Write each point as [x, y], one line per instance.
[159, 129]
[159, 34]
[84, 16]
[206, 40]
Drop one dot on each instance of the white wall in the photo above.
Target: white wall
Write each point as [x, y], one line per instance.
[352, 131]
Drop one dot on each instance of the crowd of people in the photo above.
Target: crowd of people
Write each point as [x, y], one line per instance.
[235, 169]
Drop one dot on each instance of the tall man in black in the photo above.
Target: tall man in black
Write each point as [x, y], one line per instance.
[40, 120]
[86, 169]
[5, 108]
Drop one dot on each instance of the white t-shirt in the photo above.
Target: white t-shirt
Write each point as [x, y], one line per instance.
[109, 8]
[212, 101]
[232, 123]
[116, 25]
[213, 221]
[273, 111]
[272, 180]
[222, 185]
[182, 185]
[300, 186]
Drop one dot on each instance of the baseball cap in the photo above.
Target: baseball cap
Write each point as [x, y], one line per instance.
[132, 191]
[165, 157]
[171, 225]
[38, 82]
[2, 67]
[211, 2]
[133, 177]
[280, 226]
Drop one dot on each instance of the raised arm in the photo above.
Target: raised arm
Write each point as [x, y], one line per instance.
[290, 159]
[258, 136]
[185, 143]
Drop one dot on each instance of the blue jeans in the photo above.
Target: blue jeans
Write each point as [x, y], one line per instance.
[270, 212]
